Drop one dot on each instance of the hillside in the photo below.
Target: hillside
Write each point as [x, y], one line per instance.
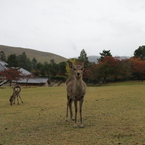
[39, 55]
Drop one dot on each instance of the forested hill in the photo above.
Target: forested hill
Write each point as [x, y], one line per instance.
[39, 55]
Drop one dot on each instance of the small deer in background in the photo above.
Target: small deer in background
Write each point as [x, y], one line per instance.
[16, 94]
[76, 90]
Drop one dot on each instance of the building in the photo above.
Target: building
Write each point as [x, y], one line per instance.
[3, 65]
[33, 82]
[27, 78]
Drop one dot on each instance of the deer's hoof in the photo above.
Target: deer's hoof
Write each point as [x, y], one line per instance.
[81, 126]
[75, 126]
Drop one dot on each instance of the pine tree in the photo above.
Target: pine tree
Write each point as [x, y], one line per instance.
[83, 57]
[12, 60]
[103, 54]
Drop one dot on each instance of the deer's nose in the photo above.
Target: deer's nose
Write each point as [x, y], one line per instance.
[78, 73]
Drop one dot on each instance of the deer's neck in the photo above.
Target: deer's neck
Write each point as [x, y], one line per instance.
[78, 89]
[78, 85]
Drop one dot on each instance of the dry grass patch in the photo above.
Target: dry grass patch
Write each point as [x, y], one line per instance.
[112, 115]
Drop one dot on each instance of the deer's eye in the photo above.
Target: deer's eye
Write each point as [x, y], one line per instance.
[74, 69]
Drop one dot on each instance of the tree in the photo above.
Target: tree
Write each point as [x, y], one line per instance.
[92, 73]
[12, 60]
[83, 57]
[108, 67]
[125, 68]
[10, 74]
[39, 70]
[2, 56]
[140, 52]
[52, 61]
[138, 66]
[68, 69]
[104, 54]
[34, 63]
[62, 67]
[46, 69]
[24, 61]
[53, 69]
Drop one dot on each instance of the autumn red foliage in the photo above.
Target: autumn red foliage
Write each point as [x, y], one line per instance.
[115, 68]
[10, 74]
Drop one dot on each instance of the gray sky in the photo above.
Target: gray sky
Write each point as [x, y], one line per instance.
[65, 27]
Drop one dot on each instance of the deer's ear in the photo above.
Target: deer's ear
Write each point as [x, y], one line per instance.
[70, 64]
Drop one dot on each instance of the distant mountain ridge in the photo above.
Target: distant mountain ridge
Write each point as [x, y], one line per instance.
[43, 56]
[39, 55]
[94, 58]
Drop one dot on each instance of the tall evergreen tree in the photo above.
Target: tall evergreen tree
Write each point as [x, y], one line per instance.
[62, 67]
[34, 63]
[83, 57]
[12, 60]
[103, 54]
[24, 61]
[140, 52]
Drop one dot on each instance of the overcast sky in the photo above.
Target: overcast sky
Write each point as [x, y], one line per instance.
[65, 27]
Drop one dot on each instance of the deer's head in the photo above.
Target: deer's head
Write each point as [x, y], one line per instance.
[77, 69]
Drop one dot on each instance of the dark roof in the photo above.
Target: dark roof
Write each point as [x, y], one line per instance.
[24, 72]
[32, 81]
[3, 65]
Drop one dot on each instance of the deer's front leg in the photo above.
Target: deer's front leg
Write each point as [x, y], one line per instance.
[76, 109]
[17, 100]
[70, 107]
[67, 109]
[14, 100]
[81, 122]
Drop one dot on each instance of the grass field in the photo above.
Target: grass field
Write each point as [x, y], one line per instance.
[112, 115]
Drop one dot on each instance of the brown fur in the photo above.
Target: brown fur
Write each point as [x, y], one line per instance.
[76, 89]
[16, 94]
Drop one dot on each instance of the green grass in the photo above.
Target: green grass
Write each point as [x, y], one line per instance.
[111, 114]
[127, 83]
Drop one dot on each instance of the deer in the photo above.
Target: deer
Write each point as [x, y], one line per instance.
[16, 94]
[76, 90]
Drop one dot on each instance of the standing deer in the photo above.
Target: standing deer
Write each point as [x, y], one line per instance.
[76, 89]
[16, 94]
